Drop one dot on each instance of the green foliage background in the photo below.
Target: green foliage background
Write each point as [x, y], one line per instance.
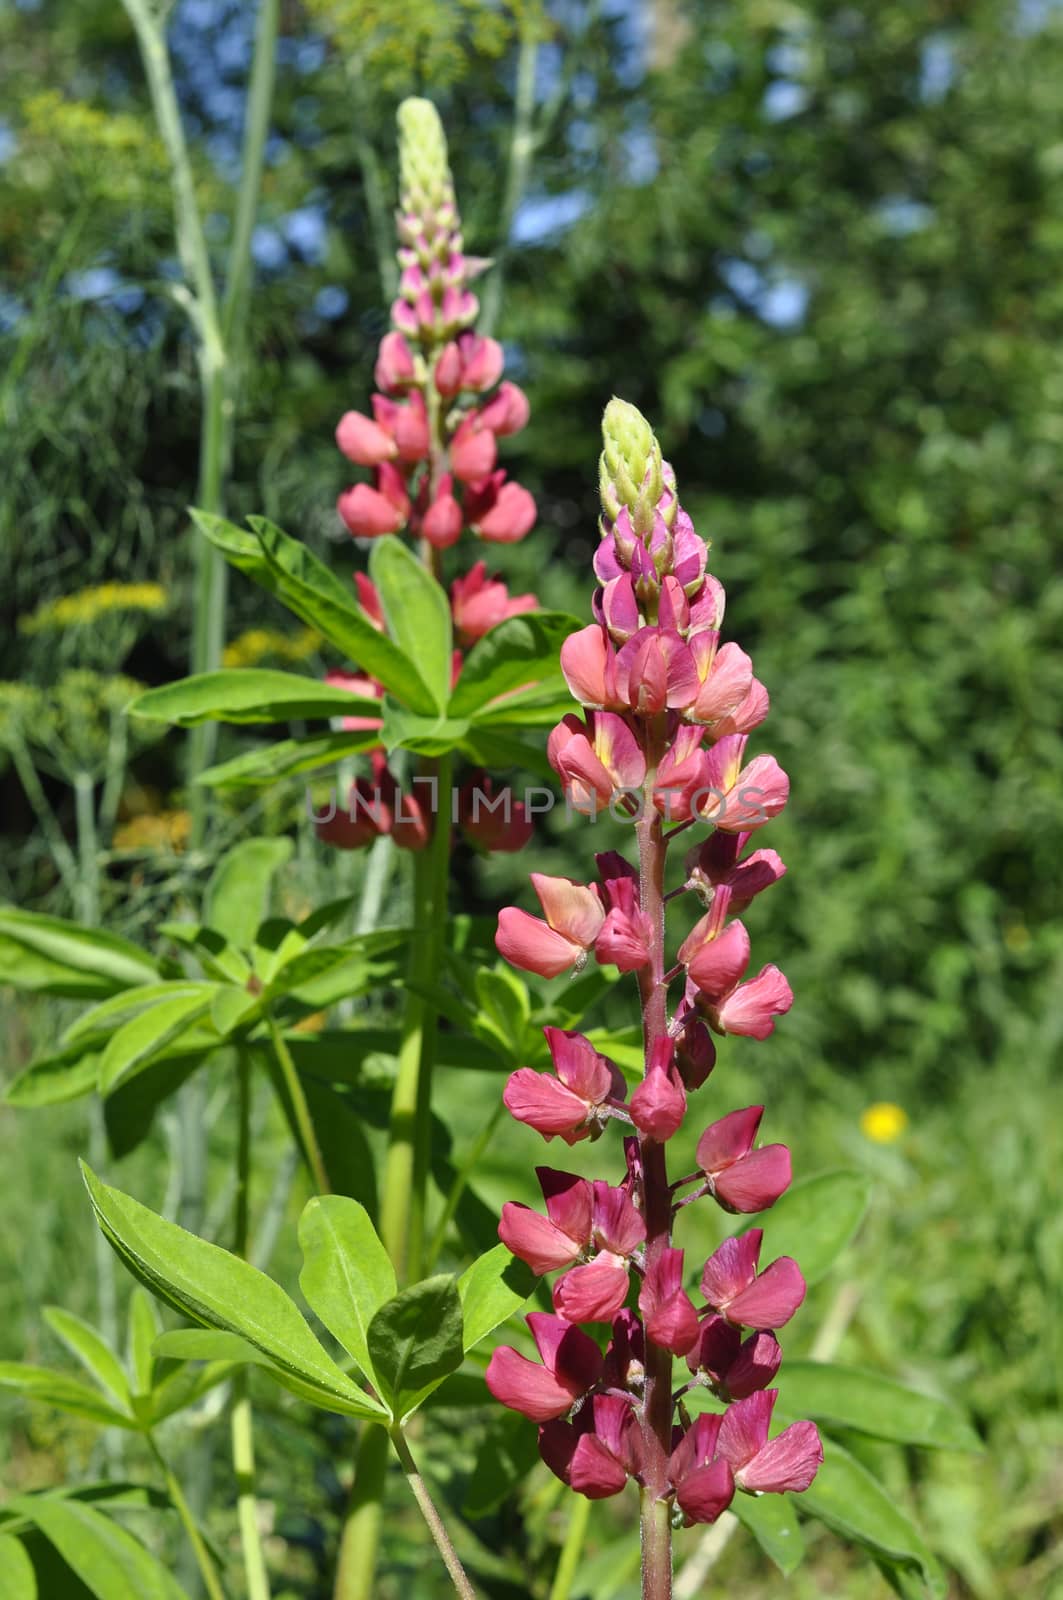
[820, 246]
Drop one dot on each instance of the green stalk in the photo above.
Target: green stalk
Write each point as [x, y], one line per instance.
[300, 1110]
[360, 1539]
[242, 1423]
[403, 1201]
[436, 1526]
[457, 1188]
[204, 1560]
[572, 1549]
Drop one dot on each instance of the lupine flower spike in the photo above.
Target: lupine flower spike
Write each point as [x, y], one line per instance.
[666, 711]
[431, 447]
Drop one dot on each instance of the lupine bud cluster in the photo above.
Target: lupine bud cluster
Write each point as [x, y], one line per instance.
[432, 444]
[666, 712]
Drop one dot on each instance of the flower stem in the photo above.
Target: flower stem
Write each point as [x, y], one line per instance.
[657, 1204]
[242, 1421]
[204, 1560]
[300, 1110]
[402, 1206]
[359, 1542]
[436, 1526]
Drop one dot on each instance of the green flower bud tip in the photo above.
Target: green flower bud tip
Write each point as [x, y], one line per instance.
[630, 463]
[423, 164]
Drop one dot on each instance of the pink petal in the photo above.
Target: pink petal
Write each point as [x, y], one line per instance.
[622, 943]
[588, 663]
[573, 1357]
[535, 1239]
[751, 1009]
[696, 1448]
[674, 1325]
[772, 1299]
[725, 687]
[571, 908]
[760, 793]
[744, 1430]
[538, 1099]
[525, 1386]
[659, 1103]
[529, 943]
[618, 1226]
[726, 1141]
[755, 1182]
[706, 1492]
[594, 1471]
[594, 1293]
[579, 1066]
[789, 1461]
[717, 1348]
[568, 1202]
[718, 965]
[731, 1268]
[755, 1366]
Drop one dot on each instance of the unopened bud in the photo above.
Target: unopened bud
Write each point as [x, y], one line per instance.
[630, 470]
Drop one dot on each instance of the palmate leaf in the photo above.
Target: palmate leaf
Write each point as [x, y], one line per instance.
[852, 1502]
[518, 653]
[18, 1581]
[238, 893]
[872, 1404]
[347, 1274]
[52, 956]
[257, 769]
[417, 613]
[287, 569]
[220, 1291]
[245, 695]
[415, 1341]
[109, 1561]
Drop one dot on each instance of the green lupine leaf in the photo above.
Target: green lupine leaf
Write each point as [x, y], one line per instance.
[52, 956]
[256, 769]
[144, 1329]
[848, 1499]
[108, 1560]
[415, 1341]
[519, 652]
[225, 1352]
[772, 1521]
[417, 612]
[491, 1290]
[508, 1452]
[54, 1079]
[66, 1394]
[307, 587]
[238, 893]
[18, 1581]
[426, 736]
[497, 749]
[139, 1042]
[96, 1356]
[347, 1274]
[113, 1013]
[873, 1404]
[219, 1291]
[218, 958]
[815, 1220]
[249, 694]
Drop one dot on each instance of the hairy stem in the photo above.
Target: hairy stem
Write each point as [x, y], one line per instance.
[242, 1421]
[657, 1203]
[204, 1560]
[436, 1525]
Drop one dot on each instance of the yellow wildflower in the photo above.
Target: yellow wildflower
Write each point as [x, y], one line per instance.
[166, 830]
[883, 1122]
[253, 646]
[86, 606]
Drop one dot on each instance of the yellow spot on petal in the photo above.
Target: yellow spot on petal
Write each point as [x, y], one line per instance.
[883, 1122]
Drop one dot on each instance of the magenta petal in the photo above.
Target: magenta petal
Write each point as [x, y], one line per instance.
[706, 1492]
[594, 1471]
[790, 1461]
[718, 1347]
[566, 1350]
[757, 1181]
[579, 1066]
[535, 1239]
[755, 1365]
[557, 1446]
[674, 1325]
[544, 1104]
[594, 1293]
[568, 1202]
[728, 1140]
[771, 1301]
[530, 944]
[752, 1008]
[744, 1430]
[659, 1104]
[696, 1448]
[618, 1226]
[719, 964]
[731, 1267]
[525, 1386]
